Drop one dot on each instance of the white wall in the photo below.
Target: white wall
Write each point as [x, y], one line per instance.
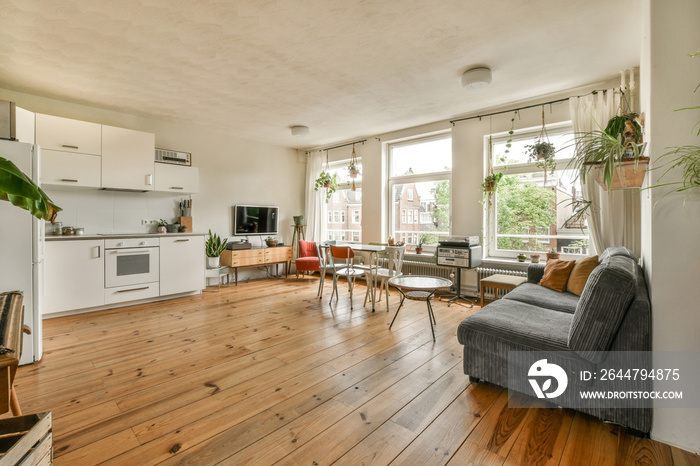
[670, 246]
[231, 170]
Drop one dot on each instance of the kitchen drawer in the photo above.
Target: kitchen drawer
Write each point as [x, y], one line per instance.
[66, 169]
[68, 135]
[122, 294]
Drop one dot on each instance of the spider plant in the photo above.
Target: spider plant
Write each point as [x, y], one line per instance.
[600, 149]
[687, 158]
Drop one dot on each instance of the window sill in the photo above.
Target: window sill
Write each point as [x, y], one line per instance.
[512, 264]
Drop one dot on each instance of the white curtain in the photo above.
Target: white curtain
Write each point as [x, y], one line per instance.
[315, 207]
[614, 218]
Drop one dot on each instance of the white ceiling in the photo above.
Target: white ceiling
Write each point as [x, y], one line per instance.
[345, 68]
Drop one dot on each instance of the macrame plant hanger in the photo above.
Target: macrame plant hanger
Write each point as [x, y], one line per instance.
[353, 171]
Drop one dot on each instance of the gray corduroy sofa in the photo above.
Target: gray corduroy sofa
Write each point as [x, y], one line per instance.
[612, 314]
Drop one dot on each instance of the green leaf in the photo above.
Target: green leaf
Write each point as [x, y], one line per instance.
[18, 189]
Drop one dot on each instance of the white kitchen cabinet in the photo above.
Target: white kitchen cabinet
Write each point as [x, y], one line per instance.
[73, 275]
[66, 169]
[127, 158]
[182, 264]
[67, 135]
[26, 122]
[176, 178]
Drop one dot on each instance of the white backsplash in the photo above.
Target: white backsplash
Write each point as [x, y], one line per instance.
[113, 211]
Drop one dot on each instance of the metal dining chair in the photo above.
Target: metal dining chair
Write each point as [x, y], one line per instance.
[394, 259]
[343, 268]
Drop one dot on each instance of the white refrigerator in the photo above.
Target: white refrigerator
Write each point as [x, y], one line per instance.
[22, 250]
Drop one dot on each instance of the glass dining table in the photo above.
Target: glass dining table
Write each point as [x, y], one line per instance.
[373, 250]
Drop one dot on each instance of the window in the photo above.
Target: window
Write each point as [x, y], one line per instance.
[344, 200]
[420, 173]
[533, 210]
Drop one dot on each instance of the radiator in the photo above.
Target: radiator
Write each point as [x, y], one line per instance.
[484, 272]
[426, 268]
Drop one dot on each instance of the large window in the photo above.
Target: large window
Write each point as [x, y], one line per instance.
[534, 211]
[420, 172]
[346, 222]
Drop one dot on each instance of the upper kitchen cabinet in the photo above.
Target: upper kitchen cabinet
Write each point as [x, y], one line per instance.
[177, 178]
[70, 151]
[127, 159]
[66, 135]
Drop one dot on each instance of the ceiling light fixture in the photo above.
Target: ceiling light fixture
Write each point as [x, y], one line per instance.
[300, 131]
[476, 79]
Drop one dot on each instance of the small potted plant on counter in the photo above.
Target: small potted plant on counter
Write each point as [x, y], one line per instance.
[163, 226]
[552, 254]
[214, 246]
[271, 242]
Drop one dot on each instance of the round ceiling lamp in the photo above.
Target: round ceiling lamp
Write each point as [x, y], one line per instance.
[476, 79]
[300, 131]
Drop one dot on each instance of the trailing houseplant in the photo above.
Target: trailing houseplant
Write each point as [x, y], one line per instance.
[490, 183]
[214, 246]
[611, 150]
[19, 190]
[328, 182]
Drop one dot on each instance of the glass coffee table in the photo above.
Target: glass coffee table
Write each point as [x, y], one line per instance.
[419, 288]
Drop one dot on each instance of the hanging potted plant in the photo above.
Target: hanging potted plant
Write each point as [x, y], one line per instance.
[613, 155]
[491, 182]
[328, 182]
[214, 246]
[354, 171]
[542, 151]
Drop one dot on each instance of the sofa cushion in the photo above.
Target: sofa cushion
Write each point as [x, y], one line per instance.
[544, 297]
[531, 326]
[580, 273]
[602, 306]
[617, 251]
[556, 274]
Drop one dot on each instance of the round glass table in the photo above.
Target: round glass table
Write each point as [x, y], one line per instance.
[419, 288]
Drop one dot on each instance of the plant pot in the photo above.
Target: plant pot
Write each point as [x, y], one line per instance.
[161, 230]
[522, 257]
[299, 220]
[213, 262]
[327, 184]
[626, 176]
[535, 258]
[354, 173]
[491, 187]
[552, 255]
[419, 250]
[271, 244]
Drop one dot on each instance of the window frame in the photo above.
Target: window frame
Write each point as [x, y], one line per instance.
[346, 235]
[392, 181]
[490, 209]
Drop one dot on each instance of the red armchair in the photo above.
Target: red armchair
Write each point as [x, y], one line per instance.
[308, 260]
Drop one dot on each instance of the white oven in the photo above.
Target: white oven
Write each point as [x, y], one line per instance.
[131, 261]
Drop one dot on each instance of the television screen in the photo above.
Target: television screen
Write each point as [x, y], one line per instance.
[255, 220]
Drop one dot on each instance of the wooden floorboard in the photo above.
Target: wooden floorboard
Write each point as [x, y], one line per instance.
[266, 373]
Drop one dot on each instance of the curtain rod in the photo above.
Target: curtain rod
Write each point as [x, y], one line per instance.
[338, 147]
[529, 106]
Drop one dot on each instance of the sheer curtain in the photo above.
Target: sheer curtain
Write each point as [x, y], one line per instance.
[614, 218]
[315, 207]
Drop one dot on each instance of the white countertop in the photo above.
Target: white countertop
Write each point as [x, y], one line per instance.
[117, 236]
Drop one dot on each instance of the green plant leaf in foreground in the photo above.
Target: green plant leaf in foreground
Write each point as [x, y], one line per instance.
[18, 189]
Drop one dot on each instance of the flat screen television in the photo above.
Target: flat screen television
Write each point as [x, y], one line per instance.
[255, 220]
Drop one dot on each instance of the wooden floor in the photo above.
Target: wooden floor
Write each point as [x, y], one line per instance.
[267, 373]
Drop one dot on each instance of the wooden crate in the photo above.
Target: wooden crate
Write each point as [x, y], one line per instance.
[26, 440]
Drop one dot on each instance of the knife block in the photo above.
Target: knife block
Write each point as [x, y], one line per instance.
[186, 222]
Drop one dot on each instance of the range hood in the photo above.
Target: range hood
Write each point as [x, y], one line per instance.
[125, 190]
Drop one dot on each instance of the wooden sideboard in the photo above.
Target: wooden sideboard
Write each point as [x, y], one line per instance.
[256, 257]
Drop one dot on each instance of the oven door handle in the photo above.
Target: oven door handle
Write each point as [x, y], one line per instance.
[131, 251]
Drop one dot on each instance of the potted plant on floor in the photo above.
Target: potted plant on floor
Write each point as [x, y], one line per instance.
[214, 246]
